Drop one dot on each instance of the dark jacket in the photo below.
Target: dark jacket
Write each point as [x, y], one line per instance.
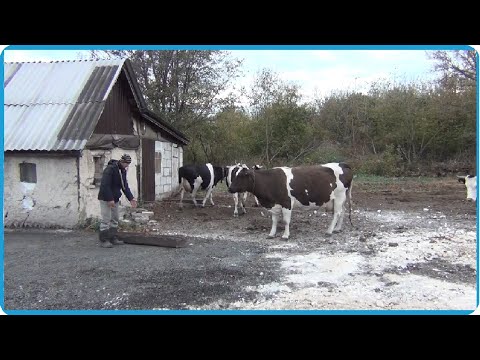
[111, 185]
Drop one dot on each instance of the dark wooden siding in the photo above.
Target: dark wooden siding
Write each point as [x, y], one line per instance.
[148, 169]
[119, 109]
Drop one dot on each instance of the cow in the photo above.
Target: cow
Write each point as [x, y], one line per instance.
[280, 189]
[195, 177]
[230, 174]
[470, 182]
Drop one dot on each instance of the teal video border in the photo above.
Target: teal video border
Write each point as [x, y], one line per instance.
[232, 312]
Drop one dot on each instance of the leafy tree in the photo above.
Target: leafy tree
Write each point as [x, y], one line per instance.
[182, 86]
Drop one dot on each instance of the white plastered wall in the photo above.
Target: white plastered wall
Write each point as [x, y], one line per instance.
[89, 203]
[50, 202]
[166, 181]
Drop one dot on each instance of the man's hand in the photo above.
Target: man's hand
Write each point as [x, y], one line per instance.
[111, 204]
[133, 202]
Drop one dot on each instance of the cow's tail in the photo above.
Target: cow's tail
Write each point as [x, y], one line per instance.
[349, 195]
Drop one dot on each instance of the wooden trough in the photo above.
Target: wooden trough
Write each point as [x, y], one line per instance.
[173, 241]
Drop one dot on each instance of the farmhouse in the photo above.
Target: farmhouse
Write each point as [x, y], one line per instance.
[63, 122]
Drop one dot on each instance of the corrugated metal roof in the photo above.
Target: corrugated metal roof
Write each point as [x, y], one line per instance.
[56, 105]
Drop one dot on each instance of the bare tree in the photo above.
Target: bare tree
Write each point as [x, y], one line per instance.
[456, 65]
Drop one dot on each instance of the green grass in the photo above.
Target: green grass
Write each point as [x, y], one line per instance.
[376, 179]
[221, 186]
[368, 179]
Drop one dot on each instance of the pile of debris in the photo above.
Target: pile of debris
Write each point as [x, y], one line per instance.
[138, 219]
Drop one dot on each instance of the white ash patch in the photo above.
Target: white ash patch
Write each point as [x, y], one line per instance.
[456, 246]
[347, 281]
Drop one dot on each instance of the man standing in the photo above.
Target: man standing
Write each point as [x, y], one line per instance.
[114, 179]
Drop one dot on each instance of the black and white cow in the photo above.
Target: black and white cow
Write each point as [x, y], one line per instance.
[281, 189]
[195, 177]
[231, 173]
[470, 182]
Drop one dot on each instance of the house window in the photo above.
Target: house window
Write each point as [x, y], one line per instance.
[98, 161]
[158, 162]
[28, 172]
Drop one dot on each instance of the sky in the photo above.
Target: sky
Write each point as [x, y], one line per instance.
[317, 72]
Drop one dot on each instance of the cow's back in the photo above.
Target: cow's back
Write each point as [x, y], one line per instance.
[193, 172]
[187, 172]
[312, 184]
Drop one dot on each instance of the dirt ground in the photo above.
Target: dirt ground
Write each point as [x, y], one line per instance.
[413, 247]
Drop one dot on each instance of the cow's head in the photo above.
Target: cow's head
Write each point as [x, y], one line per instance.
[244, 181]
[471, 185]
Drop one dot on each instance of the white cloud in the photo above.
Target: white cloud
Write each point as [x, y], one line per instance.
[320, 71]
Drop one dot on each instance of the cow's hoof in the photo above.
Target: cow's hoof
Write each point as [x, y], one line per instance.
[328, 234]
[336, 231]
[235, 215]
[284, 238]
[270, 236]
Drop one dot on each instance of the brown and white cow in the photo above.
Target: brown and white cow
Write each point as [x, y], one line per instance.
[281, 189]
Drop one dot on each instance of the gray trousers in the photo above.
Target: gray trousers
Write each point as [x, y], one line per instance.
[109, 216]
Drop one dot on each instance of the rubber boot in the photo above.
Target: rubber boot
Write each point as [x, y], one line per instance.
[104, 237]
[114, 238]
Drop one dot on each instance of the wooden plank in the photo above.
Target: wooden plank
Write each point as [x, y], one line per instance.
[174, 241]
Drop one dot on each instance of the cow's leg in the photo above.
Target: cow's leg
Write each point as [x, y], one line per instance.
[184, 186]
[182, 191]
[337, 212]
[329, 206]
[339, 225]
[340, 199]
[211, 197]
[287, 215]
[235, 199]
[243, 201]
[194, 193]
[276, 210]
[208, 195]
